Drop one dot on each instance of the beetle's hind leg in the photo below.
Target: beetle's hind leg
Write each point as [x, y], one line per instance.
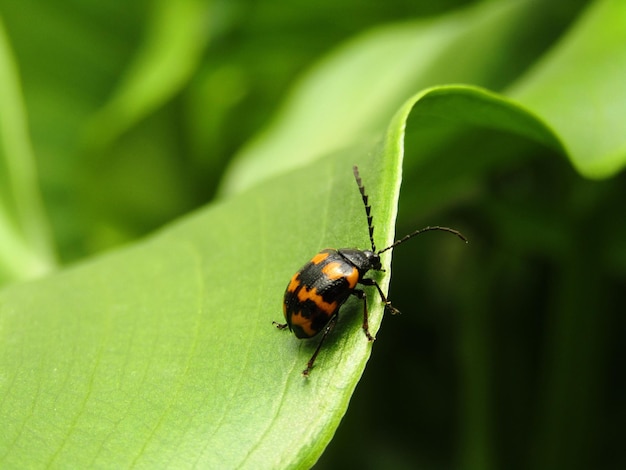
[327, 329]
[280, 326]
[371, 282]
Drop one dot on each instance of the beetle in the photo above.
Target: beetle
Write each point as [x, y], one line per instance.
[318, 289]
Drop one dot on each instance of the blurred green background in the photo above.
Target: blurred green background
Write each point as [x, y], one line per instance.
[509, 353]
[135, 108]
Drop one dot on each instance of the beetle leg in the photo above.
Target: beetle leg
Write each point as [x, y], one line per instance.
[361, 295]
[309, 365]
[371, 282]
[280, 326]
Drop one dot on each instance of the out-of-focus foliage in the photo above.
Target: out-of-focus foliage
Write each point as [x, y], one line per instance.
[119, 117]
[135, 108]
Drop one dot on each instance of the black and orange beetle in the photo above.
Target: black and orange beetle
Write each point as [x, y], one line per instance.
[318, 290]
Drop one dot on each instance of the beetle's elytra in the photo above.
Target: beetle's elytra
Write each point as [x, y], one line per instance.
[316, 291]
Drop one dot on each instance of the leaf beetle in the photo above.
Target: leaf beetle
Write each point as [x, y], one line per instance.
[317, 291]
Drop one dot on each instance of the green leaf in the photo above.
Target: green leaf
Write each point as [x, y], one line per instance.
[474, 106]
[351, 94]
[97, 73]
[171, 52]
[25, 242]
[164, 353]
[578, 88]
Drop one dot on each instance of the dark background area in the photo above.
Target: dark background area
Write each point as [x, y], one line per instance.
[509, 352]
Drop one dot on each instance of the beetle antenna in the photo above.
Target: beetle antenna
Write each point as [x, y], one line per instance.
[425, 229]
[368, 208]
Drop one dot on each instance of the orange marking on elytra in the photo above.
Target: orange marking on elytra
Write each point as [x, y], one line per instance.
[353, 278]
[305, 323]
[294, 283]
[318, 258]
[333, 270]
[338, 270]
[312, 295]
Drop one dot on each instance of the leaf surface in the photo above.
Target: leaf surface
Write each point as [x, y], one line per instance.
[578, 88]
[164, 353]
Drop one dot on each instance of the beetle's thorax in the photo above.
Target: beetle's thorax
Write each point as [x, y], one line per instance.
[363, 260]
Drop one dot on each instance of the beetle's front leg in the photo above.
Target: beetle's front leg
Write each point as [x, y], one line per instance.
[371, 282]
[361, 295]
